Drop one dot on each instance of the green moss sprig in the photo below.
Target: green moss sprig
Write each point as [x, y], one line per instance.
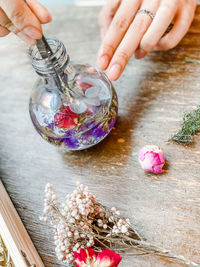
[189, 127]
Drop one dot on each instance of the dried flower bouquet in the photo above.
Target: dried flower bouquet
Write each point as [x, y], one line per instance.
[81, 222]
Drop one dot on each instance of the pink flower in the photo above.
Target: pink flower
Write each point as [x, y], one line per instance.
[152, 158]
[90, 258]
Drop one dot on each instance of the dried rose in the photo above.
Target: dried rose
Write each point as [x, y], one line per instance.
[65, 118]
[152, 158]
[89, 258]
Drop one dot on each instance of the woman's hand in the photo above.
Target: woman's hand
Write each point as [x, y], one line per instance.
[24, 18]
[125, 33]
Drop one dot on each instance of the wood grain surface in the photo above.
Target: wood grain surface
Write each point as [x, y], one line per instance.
[153, 93]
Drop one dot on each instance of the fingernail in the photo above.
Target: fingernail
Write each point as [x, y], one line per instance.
[26, 38]
[140, 53]
[103, 62]
[49, 18]
[32, 32]
[114, 72]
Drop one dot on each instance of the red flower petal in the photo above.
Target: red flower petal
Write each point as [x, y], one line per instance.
[68, 110]
[65, 118]
[108, 257]
[85, 256]
[105, 258]
[78, 258]
[91, 252]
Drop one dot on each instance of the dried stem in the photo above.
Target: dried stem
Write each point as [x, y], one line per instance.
[93, 225]
[127, 242]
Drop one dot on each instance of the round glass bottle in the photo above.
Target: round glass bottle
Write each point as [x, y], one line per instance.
[72, 105]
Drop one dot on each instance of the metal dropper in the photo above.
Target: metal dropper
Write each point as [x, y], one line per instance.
[46, 52]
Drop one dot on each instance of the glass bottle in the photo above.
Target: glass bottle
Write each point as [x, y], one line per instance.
[72, 105]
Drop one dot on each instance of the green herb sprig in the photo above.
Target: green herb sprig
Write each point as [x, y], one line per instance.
[189, 127]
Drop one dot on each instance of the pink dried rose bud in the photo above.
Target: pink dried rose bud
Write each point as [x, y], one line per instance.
[151, 158]
[90, 258]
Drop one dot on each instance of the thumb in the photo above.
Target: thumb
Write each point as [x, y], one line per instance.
[22, 18]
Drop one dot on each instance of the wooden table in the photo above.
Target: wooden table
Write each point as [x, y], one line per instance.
[153, 93]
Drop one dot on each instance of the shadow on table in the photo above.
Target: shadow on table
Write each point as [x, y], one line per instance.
[136, 95]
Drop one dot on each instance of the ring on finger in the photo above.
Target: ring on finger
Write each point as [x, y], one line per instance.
[146, 11]
[152, 16]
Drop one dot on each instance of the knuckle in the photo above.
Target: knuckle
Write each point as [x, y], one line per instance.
[141, 24]
[123, 56]
[121, 24]
[168, 7]
[107, 49]
[169, 4]
[166, 10]
[18, 15]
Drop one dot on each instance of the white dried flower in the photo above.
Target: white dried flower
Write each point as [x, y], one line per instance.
[75, 219]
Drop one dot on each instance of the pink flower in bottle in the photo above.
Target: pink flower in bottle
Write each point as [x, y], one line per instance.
[151, 158]
[90, 258]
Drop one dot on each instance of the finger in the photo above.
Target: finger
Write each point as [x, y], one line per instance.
[3, 31]
[163, 18]
[9, 27]
[40, 11]
[131, 40]
[180, 28]
[116, 31]
[106, 15]
[22, 18]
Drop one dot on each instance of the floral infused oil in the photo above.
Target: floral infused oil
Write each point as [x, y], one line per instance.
[72, 105]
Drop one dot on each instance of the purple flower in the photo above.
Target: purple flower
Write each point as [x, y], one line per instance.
[70, 133]
[71, 142]
[87, 136]
[88, 126]
[98, 132]
[152, 159]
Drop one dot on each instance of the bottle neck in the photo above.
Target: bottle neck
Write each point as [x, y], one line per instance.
[47, 66]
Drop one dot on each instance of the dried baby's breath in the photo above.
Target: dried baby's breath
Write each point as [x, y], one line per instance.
[82, 222]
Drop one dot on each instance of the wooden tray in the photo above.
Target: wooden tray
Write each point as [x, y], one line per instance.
[15, 236]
